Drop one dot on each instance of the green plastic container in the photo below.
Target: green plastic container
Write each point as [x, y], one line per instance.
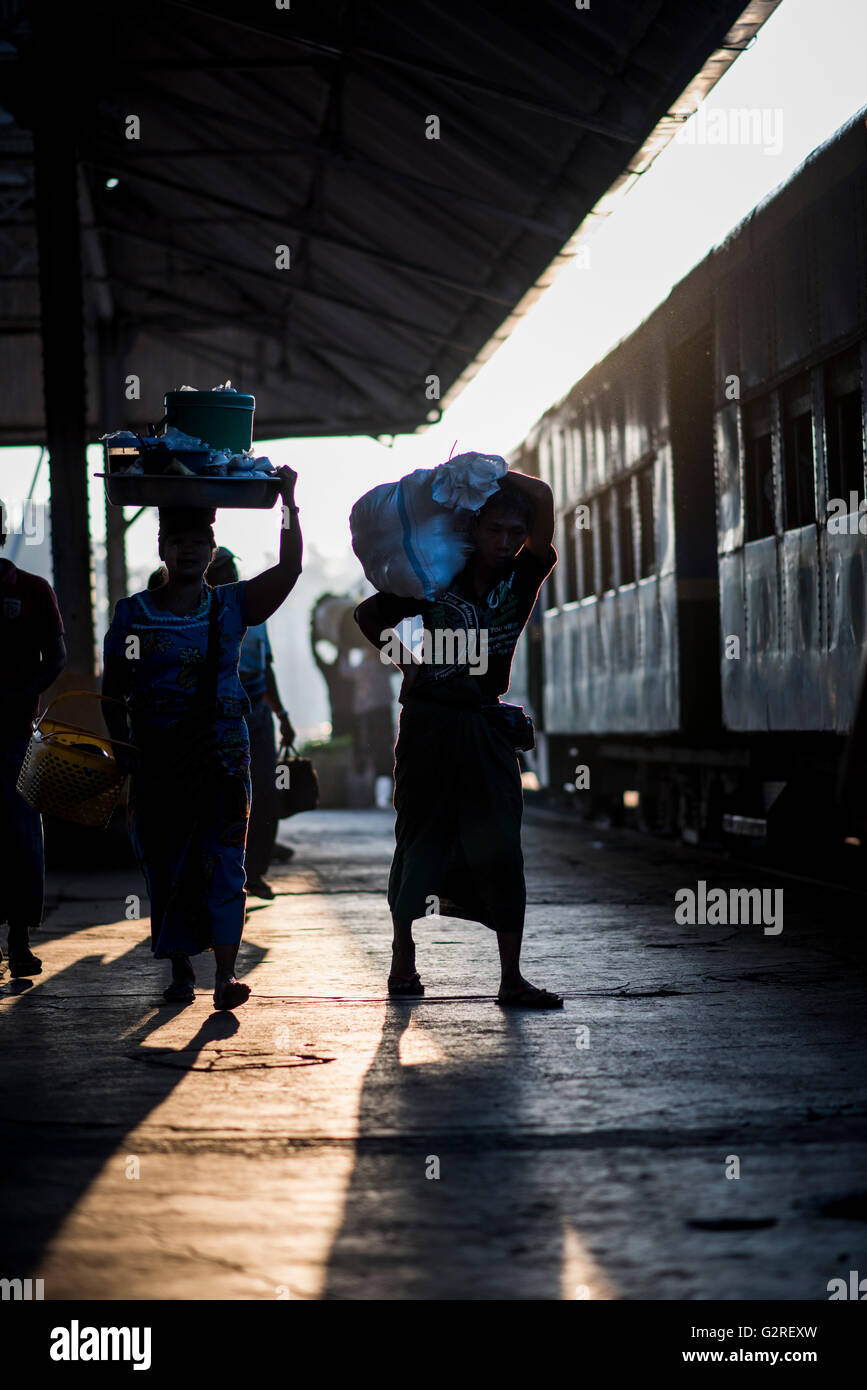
[223, 419]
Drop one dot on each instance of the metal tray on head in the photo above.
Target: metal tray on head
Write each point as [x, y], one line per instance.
[155, 491]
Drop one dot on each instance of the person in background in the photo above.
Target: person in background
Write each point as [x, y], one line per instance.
[33, 655]
[372, 699]
[256, 670]
[327, 630]
[158, 578]
[458, 792]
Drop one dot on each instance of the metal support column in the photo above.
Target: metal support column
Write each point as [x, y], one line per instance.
[111, 417]
[63, 349]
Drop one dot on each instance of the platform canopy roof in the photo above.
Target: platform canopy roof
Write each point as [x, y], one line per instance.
[425, 164]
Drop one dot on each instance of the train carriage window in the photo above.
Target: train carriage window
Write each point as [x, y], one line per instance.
[565, 463]
[605, 514]
[623, 495]
[571, 543]
[559, 461]
[584, 540]
[758, 469]
[574, 479]
[646, 522]
[553, 464]
[844, 427]
[579, 482]
[589, 452]
[546, 463]
[614, 432]
[599, 450]
[800, 496]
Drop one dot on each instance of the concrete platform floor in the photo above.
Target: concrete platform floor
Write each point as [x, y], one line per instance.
[154, 1151]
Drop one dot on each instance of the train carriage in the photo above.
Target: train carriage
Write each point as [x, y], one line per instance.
[698, 647]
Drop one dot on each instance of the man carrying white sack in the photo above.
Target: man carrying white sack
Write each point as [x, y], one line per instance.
[457, 782]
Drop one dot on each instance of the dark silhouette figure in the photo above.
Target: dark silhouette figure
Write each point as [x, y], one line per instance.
[171, 655]
[66, 1107]
[458, 791]
[256, 670]
[326, 625]
[33, 655]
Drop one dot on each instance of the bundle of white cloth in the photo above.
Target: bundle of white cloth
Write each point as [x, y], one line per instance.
[176, 454]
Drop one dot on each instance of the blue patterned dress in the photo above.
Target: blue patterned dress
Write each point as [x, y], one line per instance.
[191, 850]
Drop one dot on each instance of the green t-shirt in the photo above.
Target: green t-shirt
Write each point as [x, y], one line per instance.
[464, 634]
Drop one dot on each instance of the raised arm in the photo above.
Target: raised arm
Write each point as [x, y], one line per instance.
[378, 617]
[267, 590]
[539, 540]
[371, 622]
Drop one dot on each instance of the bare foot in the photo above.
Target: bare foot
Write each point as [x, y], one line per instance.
[403, 961]
[520, 994]
[403, 978]
[182, 970]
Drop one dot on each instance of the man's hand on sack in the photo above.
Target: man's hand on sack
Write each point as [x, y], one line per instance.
[287, 733]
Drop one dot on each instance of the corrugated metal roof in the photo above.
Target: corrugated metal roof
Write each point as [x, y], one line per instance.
[307, 127]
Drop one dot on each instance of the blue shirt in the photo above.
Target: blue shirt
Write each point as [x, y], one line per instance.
[163, 672]
[255, 655]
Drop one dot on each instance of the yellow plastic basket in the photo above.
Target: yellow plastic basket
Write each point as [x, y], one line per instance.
[69, 772]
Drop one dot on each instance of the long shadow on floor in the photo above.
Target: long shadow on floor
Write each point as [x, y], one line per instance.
[73, 1086]
[486, 1227]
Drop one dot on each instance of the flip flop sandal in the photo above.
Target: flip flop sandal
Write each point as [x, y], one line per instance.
[180, 993]
[410, 987]
[530, 998]
[231, 996]
[25, 966]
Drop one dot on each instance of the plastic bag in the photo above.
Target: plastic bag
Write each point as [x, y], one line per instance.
[176, 439]
[411, 536]
[227, 387]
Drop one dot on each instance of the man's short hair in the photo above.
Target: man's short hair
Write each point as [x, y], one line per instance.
[510, 501]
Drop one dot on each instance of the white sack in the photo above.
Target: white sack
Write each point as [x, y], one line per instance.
[411, 536]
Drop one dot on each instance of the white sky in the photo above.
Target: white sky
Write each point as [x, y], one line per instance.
[808, 64]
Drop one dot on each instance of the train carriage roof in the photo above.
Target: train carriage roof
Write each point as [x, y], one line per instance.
[841, 156]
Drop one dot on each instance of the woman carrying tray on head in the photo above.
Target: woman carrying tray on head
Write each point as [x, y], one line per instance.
[457, 784]
[190, 792]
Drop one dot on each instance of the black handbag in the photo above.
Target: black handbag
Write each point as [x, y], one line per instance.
[302, 792]
[512, 721]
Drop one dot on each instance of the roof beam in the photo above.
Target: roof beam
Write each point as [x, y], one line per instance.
[456, 76]
[217, 64]
[362, 381]
[205, 116]
[380, 171]
[322, 238]
[281, 334]
[291, 343]
[270, 378]
[412, 326]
